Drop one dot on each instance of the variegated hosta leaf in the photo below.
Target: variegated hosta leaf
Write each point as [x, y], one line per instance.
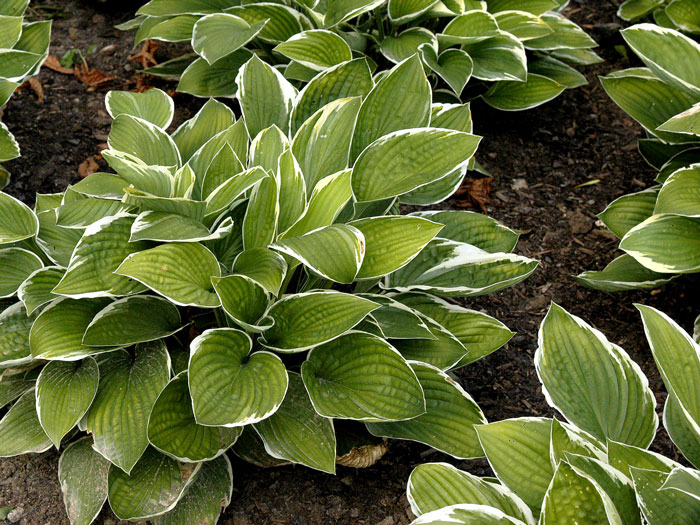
[220, 34]
[518, 452]
[593, 382]
[405, 160]
[129, 387]
[302, 321]
[686, 122]
[17, 264]
[400, 100]
[265, 267]
[665, 243]
[335, 252]
[569, 439]
[97, 255]
[317, 49]
[144, 140]
[181, 272]
[433, 486]
[292, 190]
[223, 166]
[402, 11]
[11, 389]
[450, 268]
[454, 66]
[17, 220]
[216, 80]
[136, 319]
[471, 27]
[662, 506]
[244, 300]
[399, 48]
[154, 106]
[626, 457]
[295, 432]
[680, 193]
[155, 180]
[623, 273]
[398, 321]
[684, 480]
[682, 430]
[342, 10]
[574, 498]
[467, 514]
[392, 241]
[15, 325]
[260, 222]
[500, 57]
[230, 386]
[251, 449]
[172, 428]
[55, 241]
[265, 95]
[512, 95]
[20, 430]
[213, 118]
[171, 227]
[266, 148]
[84, 211]
[449, 420]
[362, 377]
[58, 331]
[225, 195]
[154, 486]
[64, 393]
[626, 212]
[101, 186]
[205, 498]
[82, 473]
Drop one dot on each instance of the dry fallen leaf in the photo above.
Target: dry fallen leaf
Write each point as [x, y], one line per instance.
[475, 193]
[88, 167]
[145, 55]
[55, 65]
[36, 87]
[93, 78]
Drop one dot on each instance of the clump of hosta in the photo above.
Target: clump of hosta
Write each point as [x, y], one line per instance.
[595, 467]
[682, 15]
[23, 48]
[516, 53]
[659, 227]
[249, 283]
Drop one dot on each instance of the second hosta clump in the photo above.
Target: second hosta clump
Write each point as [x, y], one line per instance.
[248, 283]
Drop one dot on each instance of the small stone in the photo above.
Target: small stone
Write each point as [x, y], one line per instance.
[15, 515]
[108, 50]
[519, 184]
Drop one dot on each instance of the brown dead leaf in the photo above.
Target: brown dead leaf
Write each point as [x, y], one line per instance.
[36, 87]
[55, 65]
[88, 167]
[145, 55]
[475, 193]
[93, 78]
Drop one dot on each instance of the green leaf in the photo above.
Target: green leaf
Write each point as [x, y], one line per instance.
[500, 57]
[17, 220]
[226, 194]
[244, 300]
[302, 321]
[335, 252]
[64, 393]
[260, 222]
[216, 80]
[346, 80]
[449, 420]
[292, 197]
[154, 487]
[101, 186]
[557, 71]
[58, 331]
[154, 106]
[82, 473]
[297, 433]
[322, 144]
[405, 160]
[632, 10]
[265, 267]
[623, 273]
[14, 336]
[9, 149]
[136, 319]
[662, 506]
[172, 428]
[682, 430]
[684, 14]
[671, 55]
[572, 498]
[399, 48]
[266, 148]
[665, 243]
[392, 242]
[11, 389]
[96, 257]
[218, 35]
[450, 268]
[283, 21]
[518, 452]
[154, 180]
[522, 25]
[17, 264]
[625, 457]
[266, 97]
[593, 382]
[433, 486]
[318, 49]
[565, 35]
[170, 227]
[471, 27]
[400, 100]
[129, 386]
[223, 166]
[680, 193]
[178, 7]
[473, 228]
[625, 212]
[20, 430]
[176, 29]
[683, 480]
[205, 498]
[402, 11]
[213, 118]
[686, 122]
[230, 386]
[342, 10]
[454, 66]
[516, 95]
[181, 272]
[55, 241]
[467, 514]
[362, 377]
[10, 29]
[144, 140]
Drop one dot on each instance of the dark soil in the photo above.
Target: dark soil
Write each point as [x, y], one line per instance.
[537, 158]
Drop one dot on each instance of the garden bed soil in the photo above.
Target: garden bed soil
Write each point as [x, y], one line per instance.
[538, 159]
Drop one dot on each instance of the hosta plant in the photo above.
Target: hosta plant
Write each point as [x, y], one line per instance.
[517, 52]
[249, 283]
[659, 227]
[595, 467]
[23, 48]
[683, 15]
